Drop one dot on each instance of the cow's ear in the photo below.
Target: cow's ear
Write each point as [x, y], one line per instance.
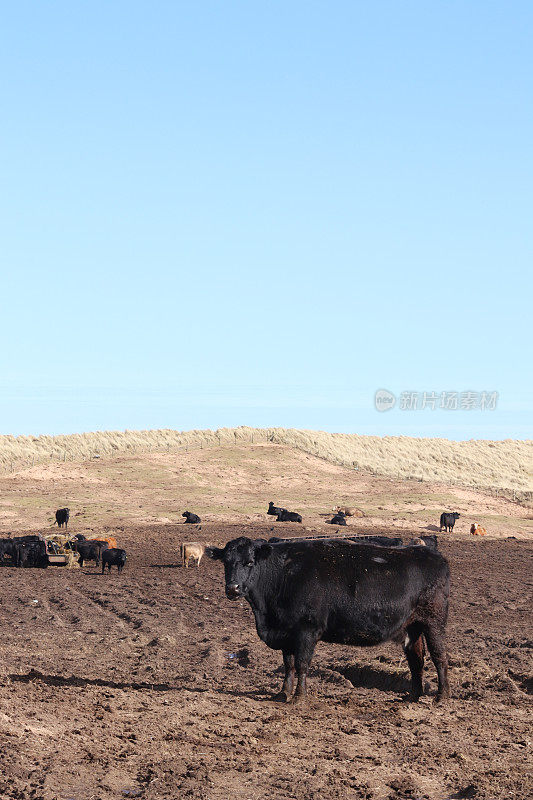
[216, 553]
[263, 551]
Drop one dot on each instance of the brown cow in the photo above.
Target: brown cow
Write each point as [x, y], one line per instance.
[477, 530]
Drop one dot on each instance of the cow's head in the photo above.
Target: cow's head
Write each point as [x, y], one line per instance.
[474, 527]
[456, 514]
[240, 558]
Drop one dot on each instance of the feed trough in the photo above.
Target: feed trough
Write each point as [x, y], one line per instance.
[58, 560]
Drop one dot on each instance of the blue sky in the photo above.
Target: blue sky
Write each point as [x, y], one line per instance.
[224, 213]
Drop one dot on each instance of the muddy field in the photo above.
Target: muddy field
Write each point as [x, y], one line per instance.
[152, 685]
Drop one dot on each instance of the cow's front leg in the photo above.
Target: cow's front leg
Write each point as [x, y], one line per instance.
[288, 681]
[302, 660]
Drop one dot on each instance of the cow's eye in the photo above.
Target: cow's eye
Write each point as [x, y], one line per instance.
[249, 564]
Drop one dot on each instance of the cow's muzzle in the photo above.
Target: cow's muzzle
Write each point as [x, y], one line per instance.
[233, 591]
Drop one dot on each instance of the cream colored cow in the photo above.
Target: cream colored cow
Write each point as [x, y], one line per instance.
[349, 511]
[191, 550]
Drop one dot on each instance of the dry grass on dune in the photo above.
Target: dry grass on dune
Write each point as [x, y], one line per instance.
[498, 465]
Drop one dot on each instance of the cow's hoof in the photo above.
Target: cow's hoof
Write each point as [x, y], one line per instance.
[441, 697]
[281, 697]
[300, 699]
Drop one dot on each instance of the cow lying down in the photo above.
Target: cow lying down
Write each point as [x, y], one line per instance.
[357, 593]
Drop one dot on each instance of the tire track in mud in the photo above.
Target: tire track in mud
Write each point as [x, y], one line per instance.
[132, 609]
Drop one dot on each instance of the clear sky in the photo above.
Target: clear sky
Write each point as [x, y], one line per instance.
[225, 213]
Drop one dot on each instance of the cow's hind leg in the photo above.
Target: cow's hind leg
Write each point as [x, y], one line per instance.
[436, 641]
[288, 681]
[414, 652]
[302, 659]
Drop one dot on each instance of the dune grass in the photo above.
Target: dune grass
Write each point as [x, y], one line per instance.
[502, 466]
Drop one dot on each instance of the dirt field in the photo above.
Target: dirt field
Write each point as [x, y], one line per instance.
[152, 685]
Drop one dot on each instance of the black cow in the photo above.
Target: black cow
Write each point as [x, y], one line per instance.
[345, 592]
[273, 510]
[338, 519]
[288, 516]
[8, 547]
[90, 550]
[62, 517]
[190, 517]
[27, 550]
[113, 555]
[30, 553]
[447, 521]
[383, 541]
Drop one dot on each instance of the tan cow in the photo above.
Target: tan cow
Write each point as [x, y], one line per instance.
[477, 530]
[191, 550]
[349, 511]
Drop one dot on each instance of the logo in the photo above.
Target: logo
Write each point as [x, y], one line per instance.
[384, 400]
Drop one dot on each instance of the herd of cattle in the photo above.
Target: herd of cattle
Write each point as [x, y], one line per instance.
[34, 551]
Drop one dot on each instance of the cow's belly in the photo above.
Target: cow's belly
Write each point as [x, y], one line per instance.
[362, 631]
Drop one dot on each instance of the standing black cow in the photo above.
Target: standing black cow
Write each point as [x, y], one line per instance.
[113, 555]
[190, 517]
[341, 591]
[288, 516]
[89, 550]
[447, 521]
[62, 517]
[30, 552]
[8, 547]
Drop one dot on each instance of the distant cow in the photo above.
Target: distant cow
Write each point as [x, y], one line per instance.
[113, 556]
[349, 511]
[62, 517]
[288, 516]
[31, 553]
[27, 551]
[303, 592]
[383, 541]
[273, 510]
[425, 541]
[191, 550]
[8, 547]
[190, 517]
[477, 530]
[90, 550]
[447, 521]
[338, 519]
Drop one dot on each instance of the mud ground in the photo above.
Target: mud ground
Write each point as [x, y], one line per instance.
[152, 685]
